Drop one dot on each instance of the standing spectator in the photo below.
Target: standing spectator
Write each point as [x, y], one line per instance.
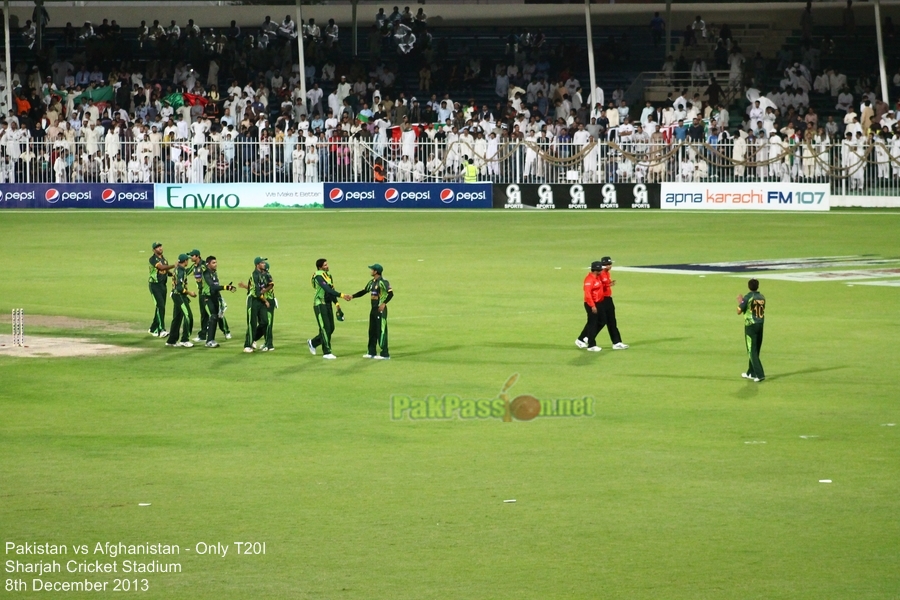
[657, 28]
[849, 20]
[806, 23]
[699, 28]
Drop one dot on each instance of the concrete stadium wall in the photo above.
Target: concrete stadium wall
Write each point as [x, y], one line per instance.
[785, 15]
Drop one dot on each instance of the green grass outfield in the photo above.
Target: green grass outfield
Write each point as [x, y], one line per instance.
[659, 495]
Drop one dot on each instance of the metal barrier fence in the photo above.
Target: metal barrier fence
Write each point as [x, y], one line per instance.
[865, 167]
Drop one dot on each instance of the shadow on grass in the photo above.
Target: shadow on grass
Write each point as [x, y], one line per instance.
[802, 372]
[639, 343]
[427, 351]
[529, 346]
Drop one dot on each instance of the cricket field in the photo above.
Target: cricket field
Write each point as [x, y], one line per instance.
[655, 472]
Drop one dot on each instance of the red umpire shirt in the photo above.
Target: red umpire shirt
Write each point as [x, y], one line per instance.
[606, 284]
[594, 288]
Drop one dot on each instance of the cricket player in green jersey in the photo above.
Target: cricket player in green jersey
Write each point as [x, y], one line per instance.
[753, 307]
[203, 290]
[270, 310]
[323, 307]
[159, 276]
[214, 301]
[182, 318]
[380, 293]
[257, 304]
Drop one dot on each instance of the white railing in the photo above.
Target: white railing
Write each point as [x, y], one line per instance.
[868, 167]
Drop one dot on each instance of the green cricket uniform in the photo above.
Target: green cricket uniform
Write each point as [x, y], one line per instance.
[157, 281]
[203, 297]
[323, 307]
[257, 317]
[183, 317]
[753, 307]
[213, 302]
[380, 292]
[270, 311]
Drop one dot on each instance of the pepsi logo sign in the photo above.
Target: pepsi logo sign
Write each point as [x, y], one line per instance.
[336, 195]
[391, 195]
[108, 196]
[447, 195]
[52, 195]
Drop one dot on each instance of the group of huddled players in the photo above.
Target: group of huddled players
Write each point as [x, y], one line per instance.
[261, 304]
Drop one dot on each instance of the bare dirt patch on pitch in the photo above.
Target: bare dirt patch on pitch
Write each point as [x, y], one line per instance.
[58, 347]
[72, 324]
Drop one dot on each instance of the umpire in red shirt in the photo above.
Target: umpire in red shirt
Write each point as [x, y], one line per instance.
[593, 297]
[606, 307]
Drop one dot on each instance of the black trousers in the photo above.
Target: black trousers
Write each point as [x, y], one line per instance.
[182, 318]
[593, 326]
[204, 318]
[270, 322]
[378, 331]
[212, 308]
[158, 291]
[609, 319]
[257, 317]
[325, 320]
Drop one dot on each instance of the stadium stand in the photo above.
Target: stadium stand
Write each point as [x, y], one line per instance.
[185, 102]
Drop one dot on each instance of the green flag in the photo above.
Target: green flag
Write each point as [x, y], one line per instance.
[104, 94]
[175, 100]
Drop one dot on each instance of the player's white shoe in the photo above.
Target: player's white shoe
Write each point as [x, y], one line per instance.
[580, 344]
[367, 356]
[382, 357]
[163, 334]
[227, 336]
[312, 349]
[330, 356]
[212, 344]
[248, 350]
[757, 379]
[267, 349]
[171, 345]
[197, 339]
[594, 349]
[186, 345]
[620, 346]
[746, 376]
[153, 333]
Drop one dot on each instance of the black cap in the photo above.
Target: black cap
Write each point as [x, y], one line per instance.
[606, 261]
[596, 265]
